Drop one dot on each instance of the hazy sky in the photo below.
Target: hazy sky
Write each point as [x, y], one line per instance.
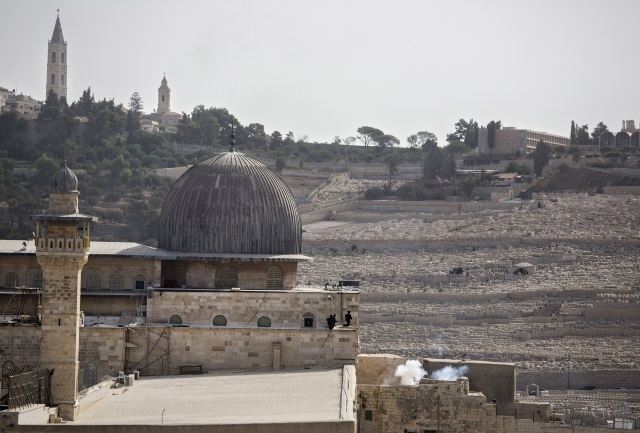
[326, 67]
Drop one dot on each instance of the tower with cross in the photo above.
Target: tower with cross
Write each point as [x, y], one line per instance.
[57, 62]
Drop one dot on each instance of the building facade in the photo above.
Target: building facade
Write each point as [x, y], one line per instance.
[513, 141]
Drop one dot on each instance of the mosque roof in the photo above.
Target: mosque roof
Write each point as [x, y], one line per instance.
[57, 32]
[231, 204]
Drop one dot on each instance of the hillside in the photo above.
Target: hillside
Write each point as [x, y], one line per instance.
[583, 179]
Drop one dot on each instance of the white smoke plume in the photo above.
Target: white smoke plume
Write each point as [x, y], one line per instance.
[449, 372]
[410, 373]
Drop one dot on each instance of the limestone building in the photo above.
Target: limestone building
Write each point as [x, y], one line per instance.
[220, 293]
[514, 141]
[57, 63]
[163, 114]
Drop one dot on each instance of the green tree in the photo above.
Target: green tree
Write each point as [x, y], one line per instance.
[432, 160]
[276, 140]
[597, 132]
[386, 140]
[135, 113]
[368, 135]
[418, 140]
[582, 135]
[492, 127]
[573, 137]
[467, 185]
[457, 148]
[540, 157]
[393, 165]
[45, 168]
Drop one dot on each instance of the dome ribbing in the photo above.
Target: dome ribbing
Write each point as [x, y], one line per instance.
[64, 180]
[230, 204]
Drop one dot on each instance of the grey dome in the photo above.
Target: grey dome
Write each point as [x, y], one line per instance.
[230, 204]
[64, 180]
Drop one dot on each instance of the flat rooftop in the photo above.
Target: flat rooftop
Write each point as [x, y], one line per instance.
[224, 398]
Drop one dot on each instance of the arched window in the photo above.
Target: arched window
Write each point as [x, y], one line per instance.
[175, 320]
[94, 282]
[226, 278]
[62, 57]
[274, 278]
[90, 374]
[53, 57]
[11, 280]
[37, 280]
[116, 282]
[140, 282]
[53, 78]
[162, 98]
[308, 320]
[62, 79]
[264, 322]
[219, 320]
[8, 369]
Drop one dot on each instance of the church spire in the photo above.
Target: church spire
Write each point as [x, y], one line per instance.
[57, 31]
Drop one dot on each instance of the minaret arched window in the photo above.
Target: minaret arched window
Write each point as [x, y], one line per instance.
[53, 78]
[62, 79]
[162, 98]
[53, 57]
[61, 57]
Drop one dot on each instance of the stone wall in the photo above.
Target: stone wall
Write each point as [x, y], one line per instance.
[495, 380]
[378, 369]
[20, 345]
[104, 348]
[285, 308]
[432, 406]
[162, 350]
[250, 275]
[130, 270]
[622, 190]
[577, 379]
[433, 206]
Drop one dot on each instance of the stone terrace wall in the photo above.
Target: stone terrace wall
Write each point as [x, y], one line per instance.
[606, 379]
[433, 206]
[621, 190]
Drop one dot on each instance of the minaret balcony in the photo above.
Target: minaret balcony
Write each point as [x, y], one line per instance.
[63, 245]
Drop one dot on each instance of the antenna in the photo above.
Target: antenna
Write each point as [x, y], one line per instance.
[233, 142]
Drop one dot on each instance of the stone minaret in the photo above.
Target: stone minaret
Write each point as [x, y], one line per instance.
[164, 97]
[57, 62]
[62, 248]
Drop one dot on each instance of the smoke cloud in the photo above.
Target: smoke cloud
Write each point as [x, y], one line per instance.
[449, 372]
[410, 373]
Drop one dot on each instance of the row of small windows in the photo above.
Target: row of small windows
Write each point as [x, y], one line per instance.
[12, 279]
[116, 282]
[308, 321]
[225, 278]
[53, 79]
[53, 57]
[220, 320]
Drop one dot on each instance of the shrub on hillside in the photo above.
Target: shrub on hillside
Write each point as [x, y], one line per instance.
[373, 193]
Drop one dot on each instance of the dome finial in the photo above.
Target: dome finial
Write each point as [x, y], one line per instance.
[233, 142]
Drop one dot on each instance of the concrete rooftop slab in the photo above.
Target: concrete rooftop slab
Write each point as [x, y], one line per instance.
[224, 398]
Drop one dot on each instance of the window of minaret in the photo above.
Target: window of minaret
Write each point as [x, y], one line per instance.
[53, 78]
[62, 57]
[62, 79]
[162, 98]
[53, 57]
